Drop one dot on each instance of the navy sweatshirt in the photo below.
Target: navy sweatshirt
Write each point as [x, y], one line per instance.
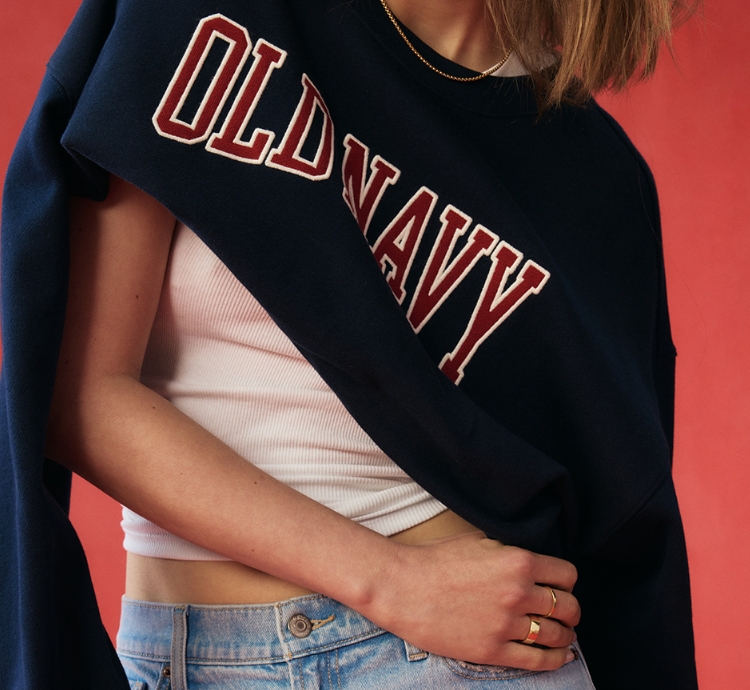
[481, 286]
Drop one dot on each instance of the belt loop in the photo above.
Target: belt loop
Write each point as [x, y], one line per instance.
[414, 653]
[178, 671]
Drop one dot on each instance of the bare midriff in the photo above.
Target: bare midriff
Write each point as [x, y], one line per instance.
[228, 582]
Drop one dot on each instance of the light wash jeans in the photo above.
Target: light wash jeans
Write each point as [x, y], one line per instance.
[185, 647]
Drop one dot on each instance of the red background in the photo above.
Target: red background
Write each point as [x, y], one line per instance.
[690, 122]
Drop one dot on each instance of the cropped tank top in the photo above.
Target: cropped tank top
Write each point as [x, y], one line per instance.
[217, 356]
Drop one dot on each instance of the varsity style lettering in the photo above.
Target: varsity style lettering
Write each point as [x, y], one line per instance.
[363, 194]
[209, 30]
[287, 157]
[494, 306]
[394, 250]
[365, 182]
[228, 142]
[438, 281]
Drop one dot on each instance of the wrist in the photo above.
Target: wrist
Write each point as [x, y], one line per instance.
[379, 590]
[366, 576]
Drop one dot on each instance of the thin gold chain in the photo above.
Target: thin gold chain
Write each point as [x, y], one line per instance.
[476, 77]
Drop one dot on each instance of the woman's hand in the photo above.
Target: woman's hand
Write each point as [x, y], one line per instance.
[470, 597]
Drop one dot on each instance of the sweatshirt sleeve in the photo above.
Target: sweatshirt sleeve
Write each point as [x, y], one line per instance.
[52, 635]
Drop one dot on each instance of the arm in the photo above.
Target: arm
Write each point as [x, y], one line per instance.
[133, 444]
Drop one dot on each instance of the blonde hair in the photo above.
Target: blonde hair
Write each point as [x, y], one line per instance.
[598, 43]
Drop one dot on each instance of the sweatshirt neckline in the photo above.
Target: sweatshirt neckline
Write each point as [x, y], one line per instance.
[493, 96]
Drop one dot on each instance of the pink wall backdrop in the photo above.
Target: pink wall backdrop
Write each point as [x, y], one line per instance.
[691, 123]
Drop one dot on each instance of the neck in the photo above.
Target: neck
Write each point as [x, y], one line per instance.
[459, 30]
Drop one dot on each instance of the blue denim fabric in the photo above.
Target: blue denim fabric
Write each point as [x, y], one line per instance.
[184, 647]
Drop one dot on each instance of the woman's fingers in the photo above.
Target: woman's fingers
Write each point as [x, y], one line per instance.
[550, 581]
[563, 606]
[555, 572]
[535, 658]
[550, 632]
[551, 648]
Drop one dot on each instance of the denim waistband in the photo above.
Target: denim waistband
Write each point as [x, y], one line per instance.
[252, 634]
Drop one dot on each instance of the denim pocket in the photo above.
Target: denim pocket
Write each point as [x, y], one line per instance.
[471, 671]
[146, 674]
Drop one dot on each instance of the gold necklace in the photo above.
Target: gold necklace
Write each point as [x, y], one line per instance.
[477, 77]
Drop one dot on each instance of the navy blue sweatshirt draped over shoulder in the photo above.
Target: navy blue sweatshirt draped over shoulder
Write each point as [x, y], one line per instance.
[482, 287]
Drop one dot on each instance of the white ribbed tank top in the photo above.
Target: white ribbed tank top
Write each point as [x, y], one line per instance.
[216, 355]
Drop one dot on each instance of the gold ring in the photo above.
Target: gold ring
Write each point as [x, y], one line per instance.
[554, 601]
[534, 629]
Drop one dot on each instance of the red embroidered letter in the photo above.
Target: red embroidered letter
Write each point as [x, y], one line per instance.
[495, 305]
[399, 241]
[166, 118]
[229, 141]
[363, 195]
[287, 156]
[437, 281]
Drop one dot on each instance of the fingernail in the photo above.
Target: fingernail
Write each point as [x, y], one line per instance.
[569, 656]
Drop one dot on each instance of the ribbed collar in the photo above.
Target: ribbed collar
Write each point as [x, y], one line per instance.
[493, 96]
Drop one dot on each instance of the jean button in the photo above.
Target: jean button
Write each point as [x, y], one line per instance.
[299, 625]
